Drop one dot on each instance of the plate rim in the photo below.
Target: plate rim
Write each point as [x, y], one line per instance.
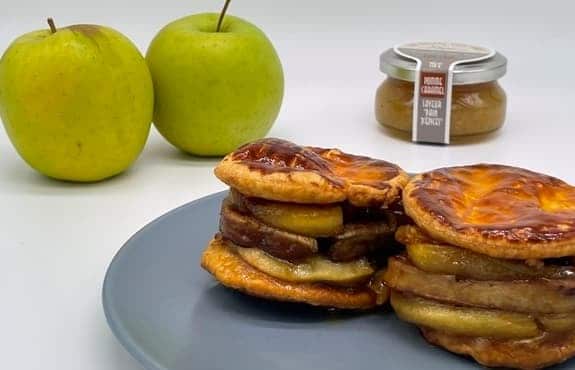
[112, 318]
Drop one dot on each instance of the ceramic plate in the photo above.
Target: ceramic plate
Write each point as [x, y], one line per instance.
[171, 315]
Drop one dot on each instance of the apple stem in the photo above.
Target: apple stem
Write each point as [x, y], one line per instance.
[52, 25]
[222, 14]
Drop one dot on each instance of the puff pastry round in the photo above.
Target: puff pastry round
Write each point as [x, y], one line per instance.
[231, 270]
[534, 353]
[497, 210]
[276, 169]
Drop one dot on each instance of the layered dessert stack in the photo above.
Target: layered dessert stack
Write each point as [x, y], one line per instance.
[488, 269]
[304, 224]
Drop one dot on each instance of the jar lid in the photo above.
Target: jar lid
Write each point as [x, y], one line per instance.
[403, 68]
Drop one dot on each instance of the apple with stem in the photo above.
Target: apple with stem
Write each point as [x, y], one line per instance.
[76, 102]
[218, 83]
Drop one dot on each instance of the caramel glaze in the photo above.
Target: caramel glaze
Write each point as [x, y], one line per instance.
[499, 202]
[358, 169]
[276, 155]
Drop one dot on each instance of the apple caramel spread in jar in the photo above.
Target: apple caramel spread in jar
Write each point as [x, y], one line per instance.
[455, 86]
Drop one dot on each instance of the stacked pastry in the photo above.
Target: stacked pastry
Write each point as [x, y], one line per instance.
[302, 224]
[488, 270]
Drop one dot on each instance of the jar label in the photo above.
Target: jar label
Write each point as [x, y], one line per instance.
[433, 84]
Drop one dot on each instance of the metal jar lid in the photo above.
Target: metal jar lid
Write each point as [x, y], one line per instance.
[402, 68]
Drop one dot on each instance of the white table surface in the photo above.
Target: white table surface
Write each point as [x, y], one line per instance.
[56, 239]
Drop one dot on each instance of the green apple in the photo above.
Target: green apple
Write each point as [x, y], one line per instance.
[215, 87]
[76, 102]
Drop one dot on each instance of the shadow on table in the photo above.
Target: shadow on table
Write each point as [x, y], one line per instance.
[23, 179]
[162, 153]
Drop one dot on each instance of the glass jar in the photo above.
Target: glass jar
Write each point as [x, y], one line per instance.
[478, 102]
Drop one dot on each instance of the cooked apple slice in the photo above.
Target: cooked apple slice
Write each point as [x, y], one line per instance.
[474, 322]
[359, 239]
[556, 323]
[247, 231]
[446, 259]
[411, 234]
[313, 269]
[530, 296]
[355, 214]
[309, 220]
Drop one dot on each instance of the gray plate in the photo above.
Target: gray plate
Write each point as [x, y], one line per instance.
[171, 315]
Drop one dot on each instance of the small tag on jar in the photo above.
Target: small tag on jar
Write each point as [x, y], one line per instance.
[433, 84]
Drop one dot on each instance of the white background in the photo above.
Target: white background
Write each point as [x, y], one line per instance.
[56, 239]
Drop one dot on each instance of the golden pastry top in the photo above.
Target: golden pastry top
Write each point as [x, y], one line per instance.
[277, 169]
[358, 169]
[276, 155]
[495, 204]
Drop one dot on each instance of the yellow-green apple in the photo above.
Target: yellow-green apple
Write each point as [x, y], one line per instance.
[217, 84]
[76, 102]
